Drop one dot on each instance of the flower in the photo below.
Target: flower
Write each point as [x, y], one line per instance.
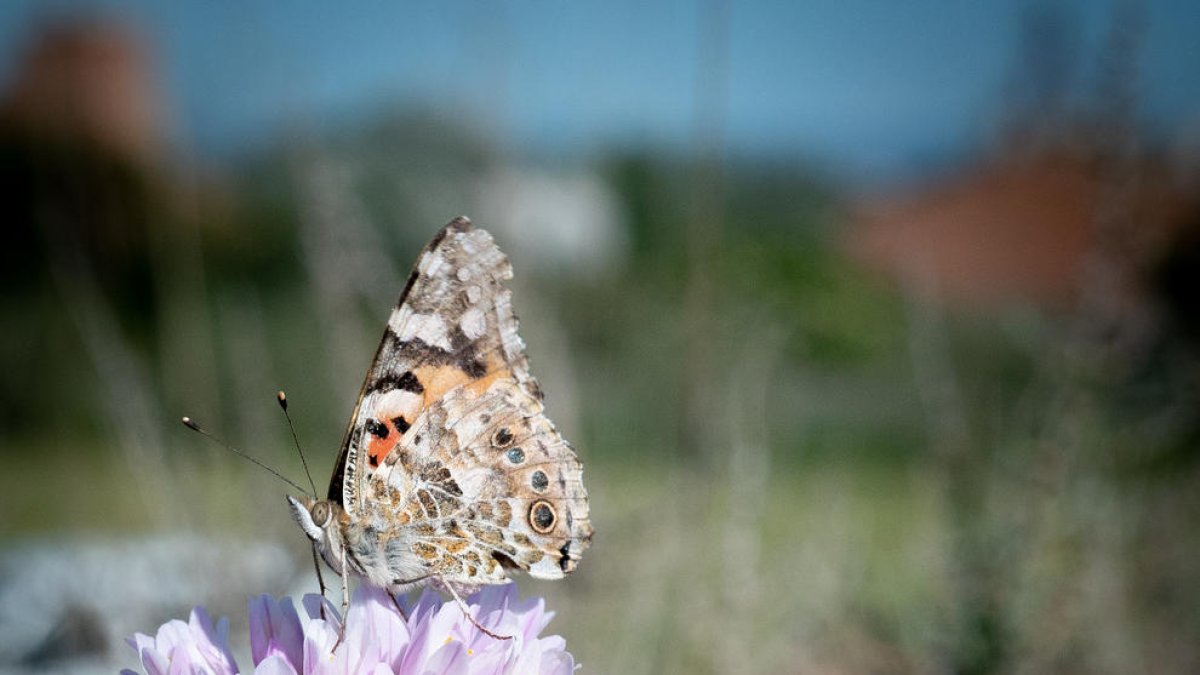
[435, 638]
[194, 643]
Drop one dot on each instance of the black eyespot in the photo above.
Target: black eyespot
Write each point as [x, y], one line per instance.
[516, 455]
[502, 438]
[539, 481]
[541, 517]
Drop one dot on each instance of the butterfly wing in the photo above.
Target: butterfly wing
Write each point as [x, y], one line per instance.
[449, 438]
[425, 332]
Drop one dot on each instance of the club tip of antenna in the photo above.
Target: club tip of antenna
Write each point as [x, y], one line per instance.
[282, 398]
[190, 423]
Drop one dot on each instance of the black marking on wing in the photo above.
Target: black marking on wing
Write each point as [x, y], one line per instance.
[441, 234]
[377, 429]
[406, 381]
[505, 560]
[462, 353]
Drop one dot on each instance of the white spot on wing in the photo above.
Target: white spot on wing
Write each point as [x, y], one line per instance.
[469, 430]
[473, 481]
[473, 323]
[398, 318]
[429, 328]
[394, 402]
[431, 263]
[509, 339]
[546, 568]
[475, 242]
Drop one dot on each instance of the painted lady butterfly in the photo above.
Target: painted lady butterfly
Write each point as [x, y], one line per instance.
[450, 471]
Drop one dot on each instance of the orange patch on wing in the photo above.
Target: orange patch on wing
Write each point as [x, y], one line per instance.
[378, 448]
[438, 380]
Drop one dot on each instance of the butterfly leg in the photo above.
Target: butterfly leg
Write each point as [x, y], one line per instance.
[320, 581]
[396, 589]
[345, 601]
[467, 611]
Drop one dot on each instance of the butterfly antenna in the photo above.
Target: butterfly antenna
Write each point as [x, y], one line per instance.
[191, 424]
[282, 398]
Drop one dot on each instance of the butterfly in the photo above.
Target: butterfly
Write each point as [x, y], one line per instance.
[450, 472]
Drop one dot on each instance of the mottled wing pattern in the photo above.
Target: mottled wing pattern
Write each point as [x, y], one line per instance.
[425, 336]
[490, 484]
[449, 439]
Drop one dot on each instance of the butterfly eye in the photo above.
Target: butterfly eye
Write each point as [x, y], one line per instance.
[321, 513]
[502, 438]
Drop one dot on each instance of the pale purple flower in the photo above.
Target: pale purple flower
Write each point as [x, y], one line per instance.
[180, 647]
[437, 638]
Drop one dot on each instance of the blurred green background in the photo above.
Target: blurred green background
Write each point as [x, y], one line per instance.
[870, 324]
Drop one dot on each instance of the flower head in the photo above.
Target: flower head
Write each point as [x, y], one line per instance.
[436, 638]
[195, 643]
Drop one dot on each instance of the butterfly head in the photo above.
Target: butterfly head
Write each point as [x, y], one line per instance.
[317, 517]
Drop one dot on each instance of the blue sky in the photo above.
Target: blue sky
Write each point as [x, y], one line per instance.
[866, 86]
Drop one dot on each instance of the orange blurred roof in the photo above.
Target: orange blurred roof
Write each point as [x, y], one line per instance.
[1015, 229]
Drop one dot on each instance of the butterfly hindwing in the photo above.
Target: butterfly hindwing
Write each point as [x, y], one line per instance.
[491, 484]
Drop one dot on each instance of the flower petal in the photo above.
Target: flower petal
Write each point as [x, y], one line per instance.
[170, 635]
[386, 630]
[275, 628]
[450, 659]
[558, 662]
[274, 664]
[140, 641]
[212, 643]
[153, 661]
[319, 638]
[313, 603]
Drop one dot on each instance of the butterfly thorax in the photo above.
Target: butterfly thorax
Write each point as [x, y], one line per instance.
[372, 549]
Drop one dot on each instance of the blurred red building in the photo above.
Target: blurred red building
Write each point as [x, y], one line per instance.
[91, 81]
[1018, 228]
